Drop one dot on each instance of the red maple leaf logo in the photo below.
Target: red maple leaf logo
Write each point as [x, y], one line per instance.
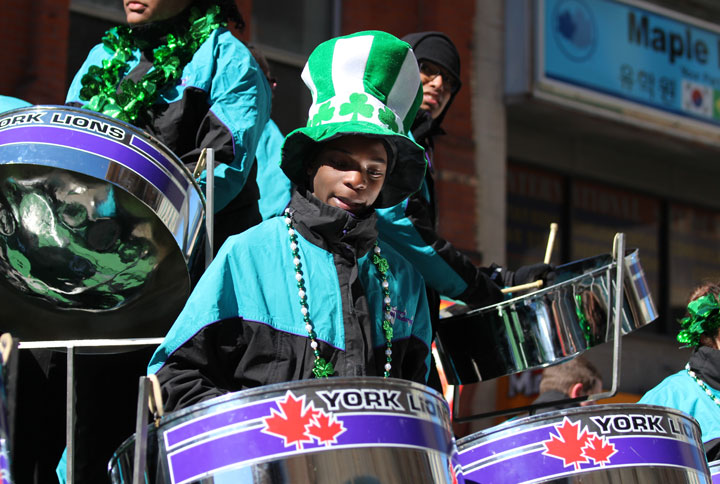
[326, 428]
[569, 445]
[292, 422]
[599, 450]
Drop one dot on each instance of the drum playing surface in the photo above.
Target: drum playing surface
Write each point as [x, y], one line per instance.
[97, 225]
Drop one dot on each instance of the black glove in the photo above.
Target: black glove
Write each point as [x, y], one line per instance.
[532, 273]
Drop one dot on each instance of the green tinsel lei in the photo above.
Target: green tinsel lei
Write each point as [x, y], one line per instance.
[703, 318]
[100, 83]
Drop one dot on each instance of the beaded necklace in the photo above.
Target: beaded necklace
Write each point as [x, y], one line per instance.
[321, 367]
[100, 83]
[702, 384]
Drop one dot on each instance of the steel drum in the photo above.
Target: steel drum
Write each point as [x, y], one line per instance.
[715, 471]
[330, 431]
[599, 444]
[545, 327]
[98, 223]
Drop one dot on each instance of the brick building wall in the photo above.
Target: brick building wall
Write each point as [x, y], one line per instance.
[33, 35]
[456, 180]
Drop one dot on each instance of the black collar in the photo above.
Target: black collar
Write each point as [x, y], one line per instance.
[705, 361]
[332, 228]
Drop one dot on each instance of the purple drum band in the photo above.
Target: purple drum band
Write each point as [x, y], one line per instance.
[324, 421]
[291, 426]
[105, 146]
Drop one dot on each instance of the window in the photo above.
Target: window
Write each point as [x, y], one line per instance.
[286, 32]
[89, 20]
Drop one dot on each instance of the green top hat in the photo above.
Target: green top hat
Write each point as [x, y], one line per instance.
[367, 84]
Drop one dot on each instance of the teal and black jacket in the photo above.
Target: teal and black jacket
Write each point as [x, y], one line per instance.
[221, 101]
[681, 391]
[242, 326]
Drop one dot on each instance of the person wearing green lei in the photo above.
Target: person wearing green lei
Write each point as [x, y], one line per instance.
[695, 389]
[178, 73]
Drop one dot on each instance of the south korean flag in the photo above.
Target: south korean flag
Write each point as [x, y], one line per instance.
[697, 99]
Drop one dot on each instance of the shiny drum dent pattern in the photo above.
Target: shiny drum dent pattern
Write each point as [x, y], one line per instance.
[338, 430]
[547, 326]
[98, 222]
[632, 444]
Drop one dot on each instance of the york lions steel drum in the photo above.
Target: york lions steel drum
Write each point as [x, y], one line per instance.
[98, 222]
[330, 431]
[599, 444]
[547, 326]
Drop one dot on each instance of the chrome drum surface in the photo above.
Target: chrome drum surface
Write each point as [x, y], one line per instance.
[98, 222]
[544, 327]
[330, 431]
[598, 444]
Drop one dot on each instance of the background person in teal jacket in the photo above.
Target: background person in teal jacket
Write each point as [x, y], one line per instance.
[195, 95]
[696, 389]
[274, 186]
[178, 73]
[316, 292]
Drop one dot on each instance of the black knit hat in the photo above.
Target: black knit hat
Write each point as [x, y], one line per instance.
[437, 48]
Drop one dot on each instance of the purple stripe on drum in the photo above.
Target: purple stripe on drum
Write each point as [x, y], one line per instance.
[252, 445]
[160, 158]
[489, 448]
[631, 452]
[104, 147]
[210, 423]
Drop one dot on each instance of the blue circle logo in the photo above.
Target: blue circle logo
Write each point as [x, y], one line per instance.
[574, 29]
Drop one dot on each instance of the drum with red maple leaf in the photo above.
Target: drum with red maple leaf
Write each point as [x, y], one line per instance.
[632, 444]
[337, 430]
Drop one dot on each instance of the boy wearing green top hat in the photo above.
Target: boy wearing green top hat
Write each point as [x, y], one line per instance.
[315, 293]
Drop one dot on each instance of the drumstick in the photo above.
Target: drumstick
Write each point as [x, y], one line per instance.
[522, 287]
[548, 253]
[551, 242]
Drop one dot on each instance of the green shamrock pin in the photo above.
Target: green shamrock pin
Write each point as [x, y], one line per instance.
[323, 369]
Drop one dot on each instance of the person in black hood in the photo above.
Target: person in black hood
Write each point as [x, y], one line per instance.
[439, 64]
[411, 226]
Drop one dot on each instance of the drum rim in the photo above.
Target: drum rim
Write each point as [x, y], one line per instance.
[127, 126]
[167, 419]
[547, 289]
[569, 412]
[290, 385]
